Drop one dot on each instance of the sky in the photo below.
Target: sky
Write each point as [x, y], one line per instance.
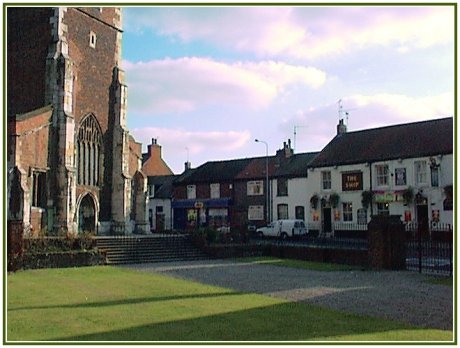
[205, 81]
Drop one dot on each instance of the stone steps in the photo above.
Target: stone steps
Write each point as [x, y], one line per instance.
[145, 249]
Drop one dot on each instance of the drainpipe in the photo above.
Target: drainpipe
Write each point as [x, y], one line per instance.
[370, 185]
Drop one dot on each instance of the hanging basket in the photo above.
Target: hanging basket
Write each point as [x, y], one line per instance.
[314, 201]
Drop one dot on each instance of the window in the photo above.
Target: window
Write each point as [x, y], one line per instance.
[256, 212]
[39, 189]
[435, 176]
[382, 175]
[191, 191]
[136, 193]
[300, 212]
[400, 177]
[218, 217]
[92, 39]
[326, 180]
[152, 190]
[88, 152]
[159, 209]
[347, 212]
[283, 211]
[255, 188]
[282, 187]
[420, 172]
[215, 190]
[383, 209]
[362, 216]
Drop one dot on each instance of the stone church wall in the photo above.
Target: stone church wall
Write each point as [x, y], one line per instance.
[28, 41]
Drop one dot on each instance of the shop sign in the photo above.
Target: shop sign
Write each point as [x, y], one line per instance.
[336, 215]
[352, 181]
[384, 197]
[435, 215]
[315, 216]
[407, 216]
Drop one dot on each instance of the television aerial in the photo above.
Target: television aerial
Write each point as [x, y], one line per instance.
[295, 133]
[343, 113]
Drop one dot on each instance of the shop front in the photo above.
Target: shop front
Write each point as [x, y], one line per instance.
[195, 213]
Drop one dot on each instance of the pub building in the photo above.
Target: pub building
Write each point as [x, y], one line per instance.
[404, 170]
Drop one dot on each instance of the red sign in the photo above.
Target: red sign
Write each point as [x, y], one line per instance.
[352, 181]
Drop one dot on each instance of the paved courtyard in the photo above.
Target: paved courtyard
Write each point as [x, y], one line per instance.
[402, 295]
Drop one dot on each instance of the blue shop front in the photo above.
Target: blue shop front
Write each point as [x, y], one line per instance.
[194, 213]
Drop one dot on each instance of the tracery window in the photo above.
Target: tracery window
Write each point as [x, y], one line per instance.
[88, 152]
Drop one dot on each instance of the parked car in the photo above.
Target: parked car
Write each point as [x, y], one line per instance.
[283, 229]
[223, 229]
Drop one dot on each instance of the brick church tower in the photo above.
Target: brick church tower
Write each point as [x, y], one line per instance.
[72, 165]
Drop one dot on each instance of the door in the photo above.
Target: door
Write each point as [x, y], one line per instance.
[327, 220]
[160, 222]
[87, 215]
[422, 220]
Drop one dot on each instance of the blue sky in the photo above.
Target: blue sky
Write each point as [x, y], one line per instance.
[206, 81]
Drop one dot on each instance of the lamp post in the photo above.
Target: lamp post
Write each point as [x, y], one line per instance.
[266, 177]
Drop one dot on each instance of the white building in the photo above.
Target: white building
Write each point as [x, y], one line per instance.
[406, 169]
[160, 212]
[289, 187]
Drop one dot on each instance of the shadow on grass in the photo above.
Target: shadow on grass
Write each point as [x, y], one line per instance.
[280, 322]
[126, 301]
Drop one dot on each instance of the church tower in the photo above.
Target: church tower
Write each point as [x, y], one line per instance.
[66, 62]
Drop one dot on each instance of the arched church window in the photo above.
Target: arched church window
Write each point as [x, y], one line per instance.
[88, 152]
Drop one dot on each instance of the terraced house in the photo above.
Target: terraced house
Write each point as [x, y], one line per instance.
[234, 193]
[72, 164]
[404, 170]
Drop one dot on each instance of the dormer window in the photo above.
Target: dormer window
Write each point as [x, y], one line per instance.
[92, 39]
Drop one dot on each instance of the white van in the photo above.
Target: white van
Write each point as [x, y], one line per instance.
[283, 229]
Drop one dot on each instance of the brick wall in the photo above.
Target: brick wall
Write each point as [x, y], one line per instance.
[34, 149]
[135, 155]
[242, 201]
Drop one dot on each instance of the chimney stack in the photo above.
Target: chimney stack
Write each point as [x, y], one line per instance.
[341, 127]
[187, 166]
[286, 151]
[154, 150]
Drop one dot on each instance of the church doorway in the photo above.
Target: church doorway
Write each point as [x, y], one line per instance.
[87, 215]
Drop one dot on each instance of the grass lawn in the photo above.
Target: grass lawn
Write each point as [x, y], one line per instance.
[116, 304]
[446, 281]
[310, 265]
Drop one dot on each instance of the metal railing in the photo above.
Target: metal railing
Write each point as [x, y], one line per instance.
[429, 256]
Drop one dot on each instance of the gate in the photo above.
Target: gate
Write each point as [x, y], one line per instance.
[428, 253]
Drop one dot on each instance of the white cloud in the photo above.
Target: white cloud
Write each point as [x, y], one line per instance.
[303, 32]
[196, 142]
[177, 144]
[365, 111]
[402, 108]
[184, 84]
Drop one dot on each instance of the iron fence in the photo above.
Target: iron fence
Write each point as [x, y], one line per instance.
[429, 256]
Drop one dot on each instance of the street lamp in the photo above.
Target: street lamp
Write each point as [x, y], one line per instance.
[266, 177]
